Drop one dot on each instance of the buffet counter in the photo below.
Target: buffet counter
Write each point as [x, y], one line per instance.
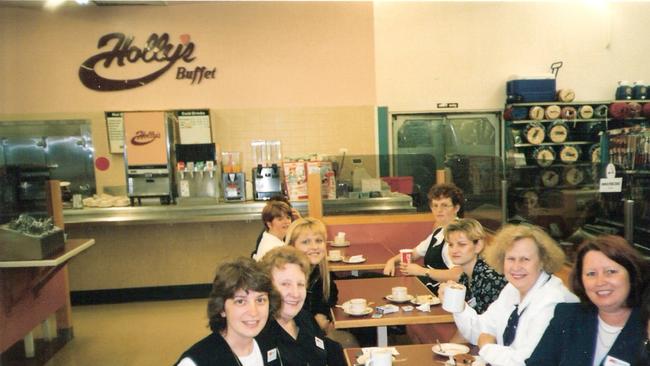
[240, 211]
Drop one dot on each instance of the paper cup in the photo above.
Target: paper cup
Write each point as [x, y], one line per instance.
[454, 299]
[406, 255]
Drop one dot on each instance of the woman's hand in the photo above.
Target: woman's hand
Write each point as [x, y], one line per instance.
[413, 269]
[389, 268]
[486, 338]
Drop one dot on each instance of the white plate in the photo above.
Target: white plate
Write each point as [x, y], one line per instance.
[338, 245]
[406, 299]
[335, 260]
[433, 300]
[365, 312]
[361, 360]
[450, 349]
[347, 260]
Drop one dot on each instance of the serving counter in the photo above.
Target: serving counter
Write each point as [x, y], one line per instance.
[219, 212]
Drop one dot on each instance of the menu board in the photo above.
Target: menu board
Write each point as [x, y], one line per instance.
[115, 129]
[194, 126]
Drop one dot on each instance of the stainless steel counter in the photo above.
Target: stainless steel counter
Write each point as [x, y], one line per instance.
[241, 211]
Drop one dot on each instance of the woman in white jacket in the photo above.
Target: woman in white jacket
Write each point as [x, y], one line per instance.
[509, 330]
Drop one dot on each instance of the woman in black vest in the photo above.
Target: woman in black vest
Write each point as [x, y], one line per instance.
[241, 300]
[445, 201]
[300, 340]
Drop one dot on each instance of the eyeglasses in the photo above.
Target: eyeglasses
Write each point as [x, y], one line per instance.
[443, 206]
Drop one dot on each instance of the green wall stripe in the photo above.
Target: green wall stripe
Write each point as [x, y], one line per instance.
[382, 139]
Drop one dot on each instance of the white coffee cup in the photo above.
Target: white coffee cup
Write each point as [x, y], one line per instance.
[357, 306]
[334, 255]
[454, 298]
[380, 357]
[399, 293]
[340, 238]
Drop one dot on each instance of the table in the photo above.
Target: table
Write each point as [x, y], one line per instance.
[374, 290]
[376, 255]
[413, 354]
[32, 290]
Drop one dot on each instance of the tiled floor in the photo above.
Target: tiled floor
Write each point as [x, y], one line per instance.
[144, 333]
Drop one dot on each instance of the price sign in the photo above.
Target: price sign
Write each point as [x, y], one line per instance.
[115, 127]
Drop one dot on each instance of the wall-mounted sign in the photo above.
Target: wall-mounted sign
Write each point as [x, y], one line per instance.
[158, 50]
[115, 127]
[194, 126]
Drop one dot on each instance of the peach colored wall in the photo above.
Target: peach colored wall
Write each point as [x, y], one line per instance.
[431, 52]
[302, 73]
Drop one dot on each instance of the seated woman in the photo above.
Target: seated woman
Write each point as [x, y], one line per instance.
[299, 339]
[466, 239]
[509, 330]
[445, 201]
[295, 215]
[605, 328]
[239, 305]
[308, 235]
[643, 355]
[276, 216]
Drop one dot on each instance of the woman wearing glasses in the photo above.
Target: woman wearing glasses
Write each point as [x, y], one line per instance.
[605, 328]
[445, 201]
[509, 330]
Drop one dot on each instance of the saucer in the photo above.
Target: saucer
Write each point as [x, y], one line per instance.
[450, 349]
[433, 300]
[365, 312]
[338, 245]
[334, 260]
[360, 260]
[406, 299]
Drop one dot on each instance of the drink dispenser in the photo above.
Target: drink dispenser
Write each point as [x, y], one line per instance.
[196, 175]
[233, 179]
[266, 172]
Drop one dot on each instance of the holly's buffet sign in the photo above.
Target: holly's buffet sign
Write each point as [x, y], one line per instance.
[121, 64]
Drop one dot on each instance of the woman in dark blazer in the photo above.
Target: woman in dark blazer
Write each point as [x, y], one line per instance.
[605, 327]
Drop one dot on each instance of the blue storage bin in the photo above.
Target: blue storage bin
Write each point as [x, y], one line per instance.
[530, 90]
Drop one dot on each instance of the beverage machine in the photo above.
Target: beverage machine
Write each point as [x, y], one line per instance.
[233, 179]
[197, 174]
[147, 155]
[266, 171]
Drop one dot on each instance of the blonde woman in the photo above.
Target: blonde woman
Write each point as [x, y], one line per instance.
[509, 330]
[308, 235]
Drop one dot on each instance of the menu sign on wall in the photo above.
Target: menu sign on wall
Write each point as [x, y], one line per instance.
[115, 127]
[194, 126]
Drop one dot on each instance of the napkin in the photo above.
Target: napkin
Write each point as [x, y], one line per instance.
[388, 308]
[355, 258]
[426, 307]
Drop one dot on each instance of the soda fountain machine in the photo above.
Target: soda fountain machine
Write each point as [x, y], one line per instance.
[266, 171]
[197, 174]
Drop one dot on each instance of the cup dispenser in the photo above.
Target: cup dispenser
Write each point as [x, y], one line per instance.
[266, 171]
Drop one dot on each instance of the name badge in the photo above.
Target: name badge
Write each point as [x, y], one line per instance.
[613, 361]
[271, 355]
[319, 343]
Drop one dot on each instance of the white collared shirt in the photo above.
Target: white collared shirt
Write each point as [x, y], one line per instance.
[268, 242]
[536, 310]
[422, 248]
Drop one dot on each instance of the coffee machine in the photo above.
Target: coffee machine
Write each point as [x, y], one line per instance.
[148, 150]
[233, 179]
[266, 173]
